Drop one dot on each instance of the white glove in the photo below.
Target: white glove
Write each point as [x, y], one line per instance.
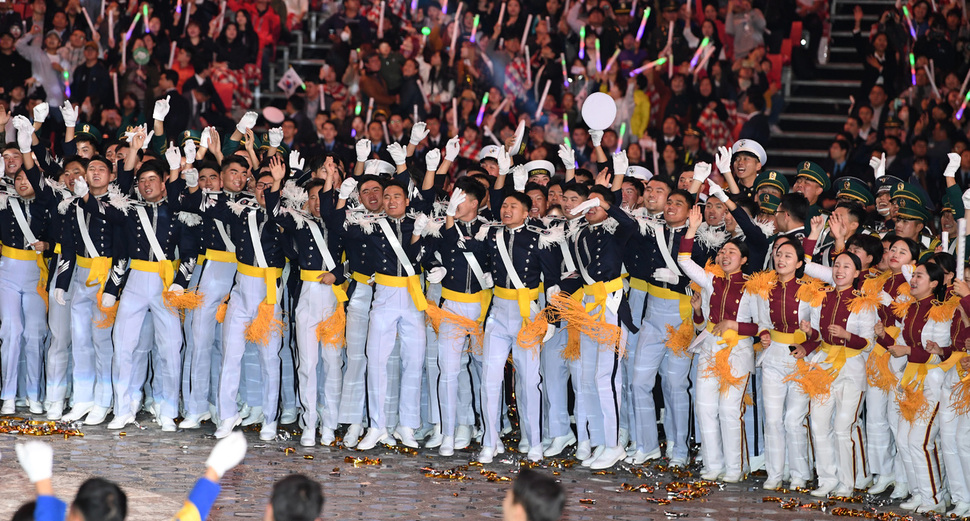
[702, 171]
[420, 224]
[568, 156]
[908, 270]
[246, 122]
[716, 191]
[398, 154]
[504, 161]
[347, 187]
[206, 138]
[296, 162]
[520, 176]
[41, 110]
[69, 113]
[275, 137]
[148, 139]
[37, 459]
[191, 177]
[596, 136]
[363, 147]
[452, 147]
[487, 277]
[419, 131]
[457, 197]
[176, 289]
[174, 157]
[620, 163]
[436, 275]
[58, 295]
[966, 199]
[723, 159]
[80, 187]
[190, 152]
[227, 453]
[952, 166]
[161, 108]
[585, 206]
[108, 300]
[666, 275]
[433, 160]
[25, 131]
[550, 291]
[878, 165]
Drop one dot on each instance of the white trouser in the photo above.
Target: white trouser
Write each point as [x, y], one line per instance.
[22, 327]
[430, 406]
[57, 361]
[555, 380]
[724, 445]
[317, 303]
[469, 380]
[754, 414]
[394, 316]
[653, 356]
[247, 293]
[354, 391]
[501, 333]
[638, 301]
[143, 292]
[205, 350]
[882, 423]
[91, 348]
[288, 390]
[918, 442]
[140, 363]
[603, 378]
[954, 442]
[786, 412]
[451, 349]
[836, 430]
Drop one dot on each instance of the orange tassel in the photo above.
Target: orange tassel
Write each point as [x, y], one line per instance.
[108, 314]
[463, 326]
[721, 369]
[865, 301]
[814, 381]
[960, 399]
[944, 311]
[221, 310]
[571, 351]
[565, 308]
[912, 403]
[332, 330]
[878, 372]
[874, 284]
[679, 339]
[259, 330]
[179, 302]
[532, 332]
[761, 283]
[812, 290]
[714, 269]
[902, 302]
[433, 316]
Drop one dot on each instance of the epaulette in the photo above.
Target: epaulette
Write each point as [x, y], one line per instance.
[293, 196]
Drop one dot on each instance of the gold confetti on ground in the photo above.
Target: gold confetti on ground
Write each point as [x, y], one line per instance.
[588, 501]
[25, 427]
[359, 462]
[644, 488]
[880, 516]
[493, 477]
[456, 473]
[307, 456]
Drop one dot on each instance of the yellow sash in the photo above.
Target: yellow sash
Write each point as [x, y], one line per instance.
[98, 268]
[412, 283]
[483, 297]
[667, 294]
[314, 276]
[599, 291]
[524, 296]
[165, 270]
[33, 256]
[269, 276]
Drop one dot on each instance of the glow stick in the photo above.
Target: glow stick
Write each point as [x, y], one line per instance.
[144, 11]
[670, 36]
[111, 25]
[178, 7]
[414, 5]
[114, 82]
[423, 93]
[525, 33]
[222, 15]
[323, 96]
[481, 110]
[67, 83]
[124, 50]
[171, 56]
[582, 42]
[102, 9]
[707, 56]
[416, 113]
[454, 34]
[501, 16]
[961, 246]
[656, 63]
[912, 68]
[131, 27]
[612, 60]
[474, 28]
[697, 53]
[963, 106]
[633, 8]
[932, 81]
[357, 109]
[945, 240]
[599, 61]
[380, 21]
[542, 100]
[565, 73]
[370, 109]
[963, 88]
[444, 6]
[643, 24]
[909, 22]
[387, 136]
[454, 113]
[88, 18]
[528, 66]
[619, 142]
[565, 125]
[501, 107]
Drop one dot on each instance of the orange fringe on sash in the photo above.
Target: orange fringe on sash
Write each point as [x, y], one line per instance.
[259, 330]
[814, 381]
[812, 290]
[221, 310]
[864, 301]
[679, 339]
[875, 284]
[721, 369]
[573, 312]
[178, 303]
[572, 349]
[878, 372]
[960, 399]
[333, 330]
[912, 403]
[901, 306]
[463, 326]
[761, 283]
[532, 332]
[108, 314]
[944, 311]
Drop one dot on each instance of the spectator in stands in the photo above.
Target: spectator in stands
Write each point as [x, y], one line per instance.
[756, 127]
[746, 25]
[880, 64]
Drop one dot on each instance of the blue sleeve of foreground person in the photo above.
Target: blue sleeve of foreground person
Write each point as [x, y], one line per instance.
[49, 508]
[199, 503]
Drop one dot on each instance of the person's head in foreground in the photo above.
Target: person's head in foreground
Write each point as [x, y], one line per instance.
[533, 497]
[295, 498]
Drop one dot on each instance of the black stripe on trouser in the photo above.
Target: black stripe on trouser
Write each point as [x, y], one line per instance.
[690, 408]
[754, 410]
[616, 398]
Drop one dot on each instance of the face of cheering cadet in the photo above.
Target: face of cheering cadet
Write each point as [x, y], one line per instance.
[714, 212]
[729, 258]
[24, 189]
[555, 195]
[72, 171]
[468, 209]
[209, 179]
[860, 252]
[810, 189]
[151, 187]
[513, 212]
[655, 196]
[676, 210]
[313, 201]
[786, 261]
[85, 149]
[685, 179]
[948, 223]
[234, 177]
[746, 166]
[98, 176]
[843, 272]
[263, 182]
[899, 254]
[372, 196]
[395, 202]
[12, 160]
[539, 204]
[920, 286]
[908, 228]
[631, 198]
[597, 214]
[570, 200]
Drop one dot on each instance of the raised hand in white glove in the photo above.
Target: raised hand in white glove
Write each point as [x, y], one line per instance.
[723, 159]
[190, 152]
[433, 159]
[878, 165]
[966, 199]
[620, 163]
[585, 206]
[41, 110]
[419, 131]
[191, 177]
[452, 148]
[275, 137]
[25, 131]
[227, 453]
[567, 156]
[162, 107]
[69, 113]
[420, 224]
[174, 157]
[953, 165]
[716, 191]
[108, 300]
[347, 187]
[520, 176]
[363, 148]
[246, 122]
[596, 137]
[504, 161]
[398, 154]
[37, 459]
[436, 275]
[148, 139]
[80, 187]
[908, 270]
[551, 291]
[296, 162]
[702, 171]
[666, 275]
[457, 197]
[205, 138]
[177, 289]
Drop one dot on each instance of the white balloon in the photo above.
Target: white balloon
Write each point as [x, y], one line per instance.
[599, 111]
